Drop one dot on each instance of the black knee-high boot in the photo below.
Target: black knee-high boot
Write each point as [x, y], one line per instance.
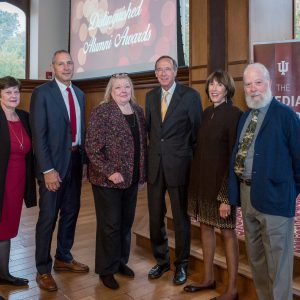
[5, 276]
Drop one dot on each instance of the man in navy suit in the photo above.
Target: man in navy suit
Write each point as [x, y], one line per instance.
[267, 185]
[173, 115]
[57, 120]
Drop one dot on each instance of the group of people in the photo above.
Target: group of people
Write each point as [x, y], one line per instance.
[209, 163]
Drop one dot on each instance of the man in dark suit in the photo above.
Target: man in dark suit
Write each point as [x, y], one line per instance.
[57, 121]
[265, 181]
[173, 115]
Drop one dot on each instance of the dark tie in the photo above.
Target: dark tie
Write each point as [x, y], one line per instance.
[72, 114]
[245, 144]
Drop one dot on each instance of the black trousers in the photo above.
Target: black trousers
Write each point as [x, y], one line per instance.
[66, 203]
[157, 213]
[115, 211]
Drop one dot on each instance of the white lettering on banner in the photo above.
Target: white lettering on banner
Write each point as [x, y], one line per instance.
[125, 39]
[94, 46]
[121, 40]
[103, 20]
[283, 87]
[292, 101]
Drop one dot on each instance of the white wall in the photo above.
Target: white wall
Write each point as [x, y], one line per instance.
[270, 20]
[49, 31]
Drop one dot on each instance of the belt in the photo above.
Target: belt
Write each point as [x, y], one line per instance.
[75, 148]
[245, 181]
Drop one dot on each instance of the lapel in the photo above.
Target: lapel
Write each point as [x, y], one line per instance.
[81, 103]
[79, 98]
[58, 99]
[118, 119]
[176, 97]
[242, 123]
[157, 104]
[4, 131]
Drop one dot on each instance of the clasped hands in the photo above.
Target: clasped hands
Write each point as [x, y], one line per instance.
[116, 178]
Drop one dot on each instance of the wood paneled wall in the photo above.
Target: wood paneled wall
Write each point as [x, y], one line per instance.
[204, 52]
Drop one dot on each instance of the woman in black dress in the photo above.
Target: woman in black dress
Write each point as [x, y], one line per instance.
[208, 198]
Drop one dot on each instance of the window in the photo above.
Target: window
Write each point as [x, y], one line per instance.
[185, 26]
[13, 38]
[297, 19]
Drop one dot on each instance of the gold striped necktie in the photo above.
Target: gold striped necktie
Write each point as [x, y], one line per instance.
[164, 105]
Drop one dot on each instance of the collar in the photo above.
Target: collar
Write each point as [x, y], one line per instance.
[62, 86]
[265, 108]
[170, 90]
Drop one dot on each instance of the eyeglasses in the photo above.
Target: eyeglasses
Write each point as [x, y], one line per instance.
[117, 75]
[166, 70]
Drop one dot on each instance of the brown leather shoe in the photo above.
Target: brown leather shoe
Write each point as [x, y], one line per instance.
[46, 282]
[73, 266]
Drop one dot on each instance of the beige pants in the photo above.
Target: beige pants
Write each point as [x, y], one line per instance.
[270, 248]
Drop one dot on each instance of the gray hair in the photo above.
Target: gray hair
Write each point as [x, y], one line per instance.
[59, 52]
[259, 66]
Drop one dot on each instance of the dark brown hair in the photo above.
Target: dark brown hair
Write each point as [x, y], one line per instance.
[9, 81]
[223, 77]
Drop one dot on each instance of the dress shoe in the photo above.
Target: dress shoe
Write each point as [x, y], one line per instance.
[16, 281]
[46, 282]
[194, 288]
[180, 275]
[158, 270]
[235, 298]
[73, 266]
[109, 281]
[126, 271]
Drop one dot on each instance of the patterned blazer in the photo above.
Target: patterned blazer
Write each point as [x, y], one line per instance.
[110, 145]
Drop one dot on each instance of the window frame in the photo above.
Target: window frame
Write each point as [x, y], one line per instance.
[24, 5]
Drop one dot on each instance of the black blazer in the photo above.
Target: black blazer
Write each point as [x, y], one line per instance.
[30, 189]
[171, 142]
[51, 131]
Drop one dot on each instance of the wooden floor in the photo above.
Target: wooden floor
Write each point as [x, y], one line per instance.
[87, 286]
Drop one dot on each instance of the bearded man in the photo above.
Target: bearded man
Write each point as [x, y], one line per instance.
[265, 181]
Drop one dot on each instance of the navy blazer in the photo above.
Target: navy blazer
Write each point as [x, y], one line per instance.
[172, 141]
[51, 130]
[275, 181]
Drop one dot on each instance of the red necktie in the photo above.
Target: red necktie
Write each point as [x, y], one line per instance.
[72, 114]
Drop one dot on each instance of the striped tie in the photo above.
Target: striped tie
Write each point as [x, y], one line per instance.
[164, 105]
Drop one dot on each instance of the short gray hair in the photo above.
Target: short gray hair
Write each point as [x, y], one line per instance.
[259, 66]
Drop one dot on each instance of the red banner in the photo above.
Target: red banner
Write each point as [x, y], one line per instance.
[282, 59]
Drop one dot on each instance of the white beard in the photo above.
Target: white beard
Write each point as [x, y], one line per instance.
[254, 104]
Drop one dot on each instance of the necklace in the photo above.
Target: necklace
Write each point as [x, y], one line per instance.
[22, 140]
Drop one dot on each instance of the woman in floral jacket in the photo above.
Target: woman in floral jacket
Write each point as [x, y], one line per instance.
[116, 148]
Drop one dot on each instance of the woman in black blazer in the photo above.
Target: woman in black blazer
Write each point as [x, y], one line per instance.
[16, 171]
